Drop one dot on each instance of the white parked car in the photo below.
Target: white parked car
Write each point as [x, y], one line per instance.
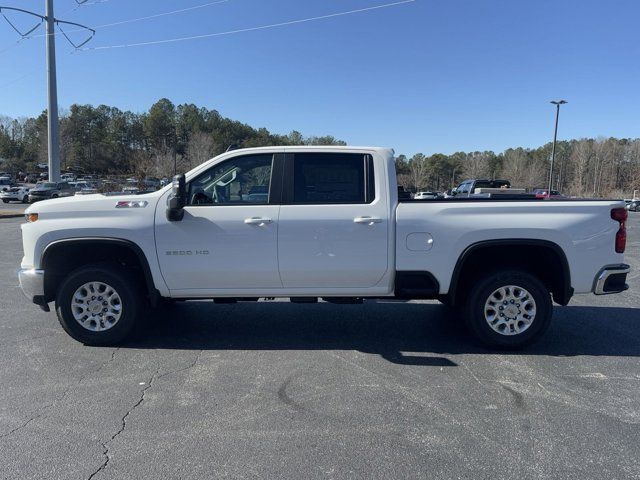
[323, 222]
[425, 195]
[15, 194]
[5, 183]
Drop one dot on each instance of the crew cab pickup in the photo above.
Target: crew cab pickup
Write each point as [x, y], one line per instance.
[316, 222]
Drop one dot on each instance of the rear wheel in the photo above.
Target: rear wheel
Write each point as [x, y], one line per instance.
[25, 199]
[98, 305]
[508, 309]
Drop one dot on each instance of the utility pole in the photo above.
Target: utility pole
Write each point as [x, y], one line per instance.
[53, 141]
[557, 103]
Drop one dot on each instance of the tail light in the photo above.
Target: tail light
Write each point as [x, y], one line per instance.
[620, 215]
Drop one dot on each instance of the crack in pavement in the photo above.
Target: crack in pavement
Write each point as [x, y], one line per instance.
[41, 412]
[105, 445]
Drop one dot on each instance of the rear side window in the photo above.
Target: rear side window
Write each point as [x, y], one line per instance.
[332, 178]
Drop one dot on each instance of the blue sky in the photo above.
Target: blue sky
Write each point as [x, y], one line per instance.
[428, 76]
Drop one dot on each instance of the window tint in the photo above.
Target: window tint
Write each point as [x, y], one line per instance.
[241, 180]
[332, 178]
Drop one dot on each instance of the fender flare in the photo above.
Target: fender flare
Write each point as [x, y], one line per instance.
[562, 297]
[152, 291]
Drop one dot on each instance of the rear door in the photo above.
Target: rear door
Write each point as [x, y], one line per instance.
[334, 225]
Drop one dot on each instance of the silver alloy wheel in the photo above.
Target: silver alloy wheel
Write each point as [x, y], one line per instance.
[96, 306]
[510, 310]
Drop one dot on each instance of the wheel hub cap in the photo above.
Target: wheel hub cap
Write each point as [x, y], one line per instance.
[96, 306]
[510, 310]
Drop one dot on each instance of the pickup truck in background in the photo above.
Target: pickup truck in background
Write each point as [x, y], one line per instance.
[316, 222]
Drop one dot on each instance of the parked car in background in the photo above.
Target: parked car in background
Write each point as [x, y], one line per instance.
[68, 177]
[633, 205]
[544, 193]
[15, 194]
[81, 185]
[468, 187]
[5, 183]
[403, 194]
[46, 190]
[425, 195]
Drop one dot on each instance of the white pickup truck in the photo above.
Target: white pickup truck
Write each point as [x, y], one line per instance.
[316, 222]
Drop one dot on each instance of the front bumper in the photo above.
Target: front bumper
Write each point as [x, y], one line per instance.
[32, 285]
[611, 279]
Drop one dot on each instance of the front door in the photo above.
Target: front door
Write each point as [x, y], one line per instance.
[228, 236]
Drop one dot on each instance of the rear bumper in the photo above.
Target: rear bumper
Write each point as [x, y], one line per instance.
[32, 285]
[611, 279]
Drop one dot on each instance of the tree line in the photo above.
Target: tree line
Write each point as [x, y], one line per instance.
[107, 140]
[586, 167]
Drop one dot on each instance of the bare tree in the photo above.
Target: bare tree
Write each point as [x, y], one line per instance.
[418, 171]
[199, 149]
[476, 165]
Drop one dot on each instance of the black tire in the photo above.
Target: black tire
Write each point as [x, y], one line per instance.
[5, 200]
[480, 326]
[54, 196]
[119, 281]
[25, 199]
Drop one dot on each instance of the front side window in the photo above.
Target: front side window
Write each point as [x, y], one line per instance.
[239, 181]
[328, 178]
[463, 188]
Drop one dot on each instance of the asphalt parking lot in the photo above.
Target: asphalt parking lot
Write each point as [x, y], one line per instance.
[280, 390]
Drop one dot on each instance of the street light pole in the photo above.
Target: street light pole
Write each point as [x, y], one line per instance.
[557, 103]
[52, 91]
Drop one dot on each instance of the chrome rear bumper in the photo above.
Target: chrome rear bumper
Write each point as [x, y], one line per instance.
[611, 279]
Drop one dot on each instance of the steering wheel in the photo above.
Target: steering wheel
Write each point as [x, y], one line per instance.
[201, 198]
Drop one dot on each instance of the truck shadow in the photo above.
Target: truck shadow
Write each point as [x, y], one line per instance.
[402, 333]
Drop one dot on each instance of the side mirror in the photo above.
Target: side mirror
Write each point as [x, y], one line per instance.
[177, 199]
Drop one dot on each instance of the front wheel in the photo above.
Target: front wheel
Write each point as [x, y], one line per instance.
[98, 305]
[5, 200]
[508, 309]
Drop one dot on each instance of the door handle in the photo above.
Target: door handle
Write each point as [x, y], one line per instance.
[257, 221]
[367, 220]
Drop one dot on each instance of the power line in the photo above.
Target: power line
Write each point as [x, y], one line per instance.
[139, 19]
[43, 18]
[250, 29]
[148, 17]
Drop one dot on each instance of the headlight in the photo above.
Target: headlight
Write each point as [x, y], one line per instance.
[31, 217]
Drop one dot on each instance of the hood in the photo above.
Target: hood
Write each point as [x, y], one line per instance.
[94, 205]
